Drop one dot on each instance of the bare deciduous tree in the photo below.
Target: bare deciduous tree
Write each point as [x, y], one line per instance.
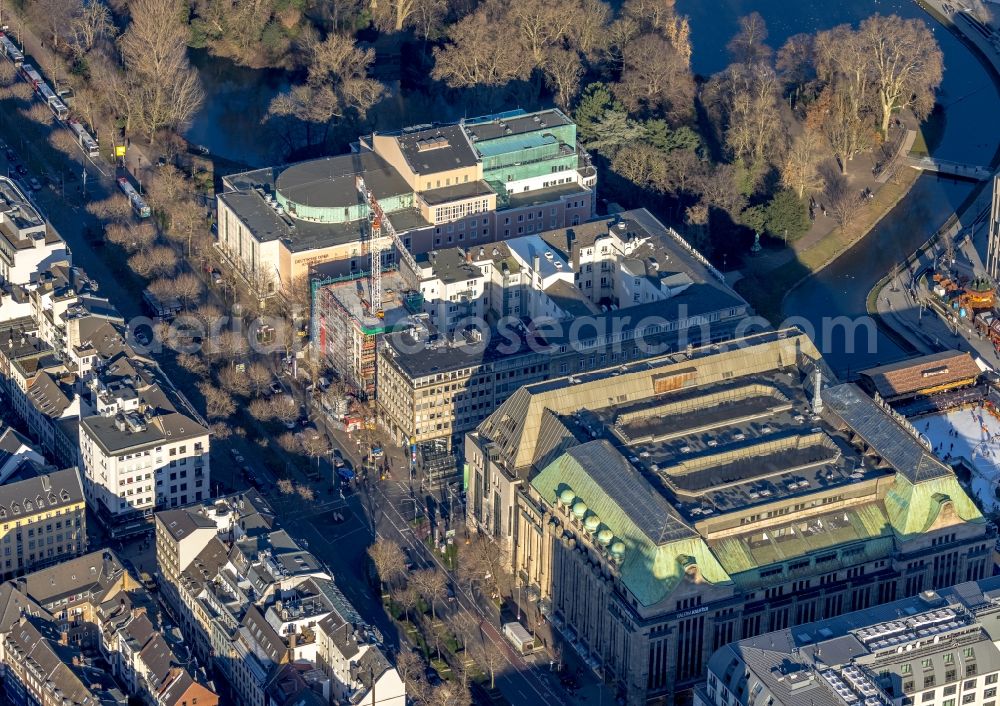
[289, 442]
[63, 141]
[388, 559]
[284, 408]
[234, 382]
[844, 200]
[746, 96]
[748, 46]
[799, 170]
[258, 377]
[91, 23]
[656, 78]
[39, 113]
[906, 65]
[154, 262]
[160, 80]
[218, 403]
[113, 208]
[432, 585]
[479, 53]
[260, 410]
[407, 598]
[132, 237]
[188, 286]
[193, 364]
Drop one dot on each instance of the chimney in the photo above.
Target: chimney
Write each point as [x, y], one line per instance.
[817, 404]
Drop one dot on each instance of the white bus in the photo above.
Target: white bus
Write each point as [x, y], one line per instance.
[88, 143]
[10, 50]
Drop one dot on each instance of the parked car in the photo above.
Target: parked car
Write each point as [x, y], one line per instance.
[35, 184]
[22, 170]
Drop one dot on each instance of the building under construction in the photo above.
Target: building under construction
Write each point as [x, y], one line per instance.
[348, 323]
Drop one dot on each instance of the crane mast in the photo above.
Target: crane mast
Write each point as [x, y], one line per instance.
[378, 223]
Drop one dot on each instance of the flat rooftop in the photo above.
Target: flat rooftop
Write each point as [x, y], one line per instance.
[458, 192]
[246, 198]
[732, 445]
[330, 182]
[16, 206]
[449, 265]
[432, 149]
[515, 122]
[544, 195]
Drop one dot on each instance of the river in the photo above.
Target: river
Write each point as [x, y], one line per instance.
[967, 94]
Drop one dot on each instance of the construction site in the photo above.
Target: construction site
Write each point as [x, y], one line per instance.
[349, 320]
[350, 313]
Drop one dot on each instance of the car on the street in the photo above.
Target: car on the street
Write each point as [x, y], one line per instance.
[11, 155]
[34, 184]
[432, 677]
[22, 170]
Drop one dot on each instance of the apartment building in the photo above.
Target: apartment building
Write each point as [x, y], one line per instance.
[440, 186]
[252, 604]
[938, 648]
[610, 292]
[142, 446]
[54, 620]
[43, 516]
[659, 510]
[355, 665]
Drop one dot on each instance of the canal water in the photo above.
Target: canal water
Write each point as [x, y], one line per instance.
[230, 126]
[965, 133]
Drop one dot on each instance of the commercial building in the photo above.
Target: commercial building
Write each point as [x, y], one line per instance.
[255, 606]
[142, 445]
[661, 509]
[938, 648]
[441, 186]
[609, 292]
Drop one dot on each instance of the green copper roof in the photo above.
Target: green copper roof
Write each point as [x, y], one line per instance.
[914, 507]
[659, 547]
[795, 540]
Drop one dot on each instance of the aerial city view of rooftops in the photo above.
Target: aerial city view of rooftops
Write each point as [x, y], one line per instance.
[468, 352]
